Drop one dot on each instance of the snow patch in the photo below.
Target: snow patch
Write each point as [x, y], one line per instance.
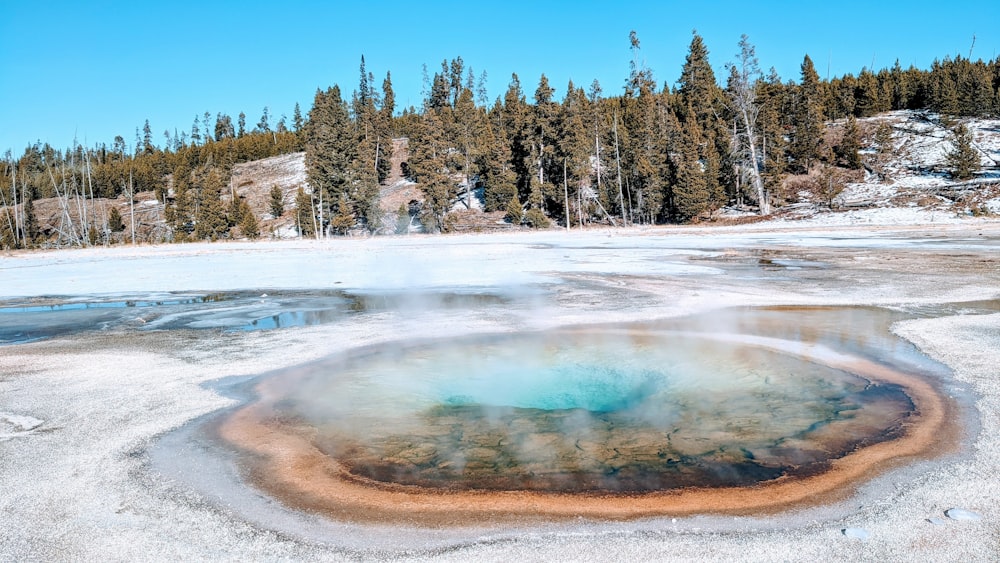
[962, 514]
[880, 216]
[859, 534]
[993, 206]
[13, 425]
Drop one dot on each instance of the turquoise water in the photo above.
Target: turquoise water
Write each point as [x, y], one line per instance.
[641, 407]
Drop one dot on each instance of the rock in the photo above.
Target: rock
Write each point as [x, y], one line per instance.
[859, 534]
[14, 426]
[962, 514]
[422, 454]
[20, 423]
[937, 521]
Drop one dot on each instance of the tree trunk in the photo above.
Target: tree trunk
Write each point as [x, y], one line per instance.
[316, 228]
[758, 184]
[11, 221]
[131, 204]
[64, 207]
[18, 213]
[566, 193]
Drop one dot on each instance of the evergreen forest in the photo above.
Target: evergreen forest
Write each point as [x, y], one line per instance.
[648, 151]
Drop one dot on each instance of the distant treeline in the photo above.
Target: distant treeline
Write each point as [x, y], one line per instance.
[650, 154]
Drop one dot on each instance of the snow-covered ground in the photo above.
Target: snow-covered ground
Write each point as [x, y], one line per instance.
[79, 414]
[917, 169]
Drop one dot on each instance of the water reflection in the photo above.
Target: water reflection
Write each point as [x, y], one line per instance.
[47, 317]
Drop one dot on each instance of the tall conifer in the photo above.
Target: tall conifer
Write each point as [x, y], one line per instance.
[428, 164]
[331, 149]
[808, 118]
[963, 160]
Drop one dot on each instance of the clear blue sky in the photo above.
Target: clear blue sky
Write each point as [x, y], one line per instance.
[96, 69]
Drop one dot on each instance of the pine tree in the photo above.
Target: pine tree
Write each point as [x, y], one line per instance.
[541, 144]
[277, 201]
[8, 235]
[305, 219]
[147, 139]
[195, 132]
[249, 225]
[515, 123]
[241, 124]
[830, 182]
[944, 95]
[180, 215]
[849, 148]
[429, 168]
[963, 160]
[210, 217]
[699, 94]
[115, 222]
[343, 216]
[515, 212]
[440, 91]
[537, 219]
[634, 137]
[468, 136]
[297, 118]
[237, 211]
[372, 161]
[699, 100]
[388, 98]
[669, 133]
[807, 118]
[263, 126]
[205, 121]
[884, 147]
[691, 191]
[32, 231]
[902, 88]
[331, 150]
[574, 147]
[976, 88]
[223, 127]
[495, 168]
[838, 98]
[869, 96]
[402, 219]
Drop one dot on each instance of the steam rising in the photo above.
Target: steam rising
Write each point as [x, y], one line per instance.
[633, 409]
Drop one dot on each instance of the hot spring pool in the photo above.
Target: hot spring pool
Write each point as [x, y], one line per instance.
[594, 410]
[755, 403]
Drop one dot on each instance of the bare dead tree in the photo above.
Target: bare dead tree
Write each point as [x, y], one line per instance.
[18, 211]
[81, 202]
[566, 193]
[742, 90]
[131, 203]
[66, 221]
[11, 221]
[320, 226]
[104, 208]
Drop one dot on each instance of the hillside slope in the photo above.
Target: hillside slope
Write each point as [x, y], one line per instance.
[914, 178]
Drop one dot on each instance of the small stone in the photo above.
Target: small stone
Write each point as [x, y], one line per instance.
[962, 514]
[859, 534]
